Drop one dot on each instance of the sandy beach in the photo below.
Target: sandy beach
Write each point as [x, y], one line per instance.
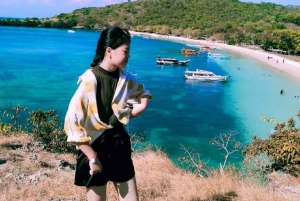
[276, 61]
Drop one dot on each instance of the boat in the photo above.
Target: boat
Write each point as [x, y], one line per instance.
[203, 75]
[192, 45]
[213, 55]
[217, 55]
[225, 57]
[146, 36]
[71, 31]
[133, 74]
[170, 61]
[205, 48]
[185, 51]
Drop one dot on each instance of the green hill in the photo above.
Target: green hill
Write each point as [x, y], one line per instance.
[231, 21]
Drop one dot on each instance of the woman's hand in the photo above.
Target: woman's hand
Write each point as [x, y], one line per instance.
[139, 108]
[95, 167]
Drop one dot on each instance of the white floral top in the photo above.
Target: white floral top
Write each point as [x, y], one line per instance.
[82, 122]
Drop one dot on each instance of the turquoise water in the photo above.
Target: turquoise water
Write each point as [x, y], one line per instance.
[39, 69]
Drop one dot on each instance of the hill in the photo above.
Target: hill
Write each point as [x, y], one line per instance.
[202, 15]
[234, 22]
[29, 173]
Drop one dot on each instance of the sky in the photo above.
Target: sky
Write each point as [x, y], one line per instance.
[49, 8]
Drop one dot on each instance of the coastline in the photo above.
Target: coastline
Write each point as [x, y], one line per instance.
[277, 61]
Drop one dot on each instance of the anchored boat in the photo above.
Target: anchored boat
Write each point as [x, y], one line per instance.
[170, 61]
[203, 75]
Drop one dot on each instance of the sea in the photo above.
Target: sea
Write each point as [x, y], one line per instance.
[39, 68]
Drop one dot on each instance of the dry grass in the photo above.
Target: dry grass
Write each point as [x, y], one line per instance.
[32, 174]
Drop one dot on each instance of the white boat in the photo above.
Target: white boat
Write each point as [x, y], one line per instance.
[71, 31]
[225, 57]
[203, 75]
[217, 55]
[170, 61]
[146, 36]
[133, 74]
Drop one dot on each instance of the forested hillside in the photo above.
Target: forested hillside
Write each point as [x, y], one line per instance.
[268, 24]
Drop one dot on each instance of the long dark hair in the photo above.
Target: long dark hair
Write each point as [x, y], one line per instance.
[112, 37]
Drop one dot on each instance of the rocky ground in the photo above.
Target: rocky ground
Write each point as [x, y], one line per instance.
[29, 173]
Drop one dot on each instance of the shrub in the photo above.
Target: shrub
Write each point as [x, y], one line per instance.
[192, 162]
[12, 119]
[46, 128]
[258, 167]
[139, 143]
[283, 146]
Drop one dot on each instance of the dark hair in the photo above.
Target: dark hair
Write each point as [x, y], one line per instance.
[111, 37]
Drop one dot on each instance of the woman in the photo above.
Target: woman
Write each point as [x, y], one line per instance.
[107, 97]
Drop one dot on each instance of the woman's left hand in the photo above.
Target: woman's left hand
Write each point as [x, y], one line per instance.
[137, 110]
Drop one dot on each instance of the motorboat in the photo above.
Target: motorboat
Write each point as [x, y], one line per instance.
[186, 51]
[225, 57]
[214, 55]
[203, 75]
[170, 61]
[217, 55]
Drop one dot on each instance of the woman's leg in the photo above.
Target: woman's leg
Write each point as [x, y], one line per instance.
[127, 190]
[96, 193]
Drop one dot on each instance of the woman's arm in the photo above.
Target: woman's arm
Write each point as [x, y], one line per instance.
[95, 166]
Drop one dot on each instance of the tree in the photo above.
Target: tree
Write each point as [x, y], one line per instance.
[283, 146]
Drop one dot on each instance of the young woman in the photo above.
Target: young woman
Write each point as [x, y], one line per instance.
[107, 97]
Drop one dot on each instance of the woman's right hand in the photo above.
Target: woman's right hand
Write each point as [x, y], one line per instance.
[95, 167]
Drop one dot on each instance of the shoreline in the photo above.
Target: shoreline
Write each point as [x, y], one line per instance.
[277, 61]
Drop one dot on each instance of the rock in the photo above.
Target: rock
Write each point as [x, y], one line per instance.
[2, 161]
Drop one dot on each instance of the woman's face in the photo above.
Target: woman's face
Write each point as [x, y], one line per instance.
[120, 56]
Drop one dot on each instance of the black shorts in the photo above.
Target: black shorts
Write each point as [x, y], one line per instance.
[113, 149]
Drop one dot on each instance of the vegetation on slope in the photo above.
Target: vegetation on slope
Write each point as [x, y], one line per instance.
[29, 173]
[37, 153]
[267, 24]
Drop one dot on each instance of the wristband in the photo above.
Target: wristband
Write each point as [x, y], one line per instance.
[92, 160]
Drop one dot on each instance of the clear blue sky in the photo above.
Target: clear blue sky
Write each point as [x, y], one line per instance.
[49, 8]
